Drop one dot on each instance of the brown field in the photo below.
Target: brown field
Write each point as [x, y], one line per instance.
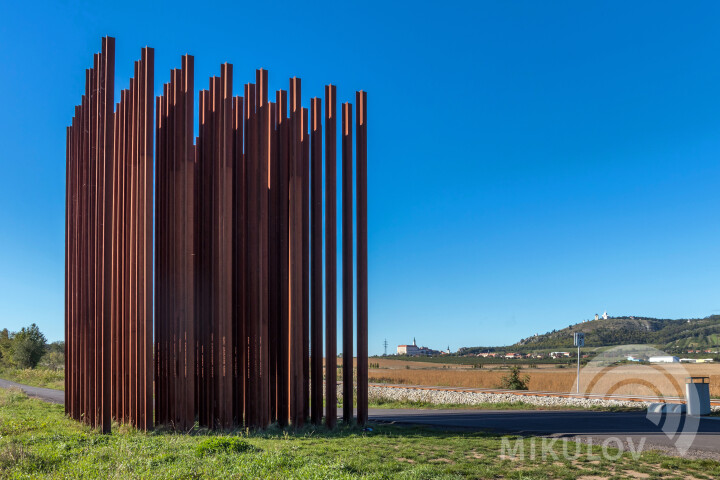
[626, 379]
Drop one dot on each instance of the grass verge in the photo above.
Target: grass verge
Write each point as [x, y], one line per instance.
[38, 441]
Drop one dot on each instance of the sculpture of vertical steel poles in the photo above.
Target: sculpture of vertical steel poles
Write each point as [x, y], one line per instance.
[236, 336]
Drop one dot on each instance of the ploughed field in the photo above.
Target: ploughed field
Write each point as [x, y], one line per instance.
[631, 379]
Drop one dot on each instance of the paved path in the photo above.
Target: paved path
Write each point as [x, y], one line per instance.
[576, 424]
[47, 394]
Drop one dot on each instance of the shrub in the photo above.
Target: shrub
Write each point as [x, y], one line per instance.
[513, 380]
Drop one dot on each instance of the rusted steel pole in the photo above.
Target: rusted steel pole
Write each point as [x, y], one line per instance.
[362, 260]
[189, 254]
[263, 138]
[239, 244]
[297, 408]
[316, 240]
[273, 261]
[107, 106]
[225, 245]
[347, 259]
[148, 61]
[159, 261]
[254, 261]
[94, 286]
[330, 258]
[204, 205]
[283, 254]
[140, 237]
[68, 282]
[305, 142]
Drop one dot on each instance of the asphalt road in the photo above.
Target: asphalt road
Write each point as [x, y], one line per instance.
[701, 436]
[47, 394]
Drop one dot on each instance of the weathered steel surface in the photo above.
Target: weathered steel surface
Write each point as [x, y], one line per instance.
[347, 261]
[362, 267]
[330, 257]
[316, 322]
[236, 336]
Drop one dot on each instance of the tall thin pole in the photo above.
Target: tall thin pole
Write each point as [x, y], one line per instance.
[362, 262]
[316, 331]
[347, 259]
[330, 258]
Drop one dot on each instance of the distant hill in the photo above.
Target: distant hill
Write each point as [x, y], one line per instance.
[665, 334]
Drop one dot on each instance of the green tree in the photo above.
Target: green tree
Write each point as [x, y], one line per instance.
[514, 381]
[28, 347]
[5, 347]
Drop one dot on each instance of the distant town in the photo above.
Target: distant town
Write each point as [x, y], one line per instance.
[682, 340]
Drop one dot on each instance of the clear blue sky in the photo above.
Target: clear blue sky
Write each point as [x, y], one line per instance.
[530, 163]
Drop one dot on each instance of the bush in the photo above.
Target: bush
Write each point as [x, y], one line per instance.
[513, 380]
[52, 361]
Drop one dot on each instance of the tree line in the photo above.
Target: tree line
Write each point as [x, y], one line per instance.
[29, 348]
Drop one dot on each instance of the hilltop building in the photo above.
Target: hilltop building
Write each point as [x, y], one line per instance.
[414, 350]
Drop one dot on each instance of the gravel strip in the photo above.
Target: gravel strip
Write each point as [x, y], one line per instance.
[440, 397]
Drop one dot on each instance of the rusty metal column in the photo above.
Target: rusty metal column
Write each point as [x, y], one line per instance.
[330, 258]
[253, 255]
[316, 400]
[224, 186]
[160, 217]
[95, 354]
[148, 61]
[239, 244]
[283, 253]
[305, 142]
[107, 104]
[296, 246]
[263, 115]
[362, 273]
[189, 254]
[273, 261]
[347, 259]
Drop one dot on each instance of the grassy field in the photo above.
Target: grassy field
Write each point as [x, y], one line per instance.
[35, 377]
[38, 441]
[628, 379]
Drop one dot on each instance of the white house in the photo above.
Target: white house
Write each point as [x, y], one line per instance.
[664, 359]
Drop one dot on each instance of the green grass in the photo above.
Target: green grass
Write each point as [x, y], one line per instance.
[38, 441]
[35, 377]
